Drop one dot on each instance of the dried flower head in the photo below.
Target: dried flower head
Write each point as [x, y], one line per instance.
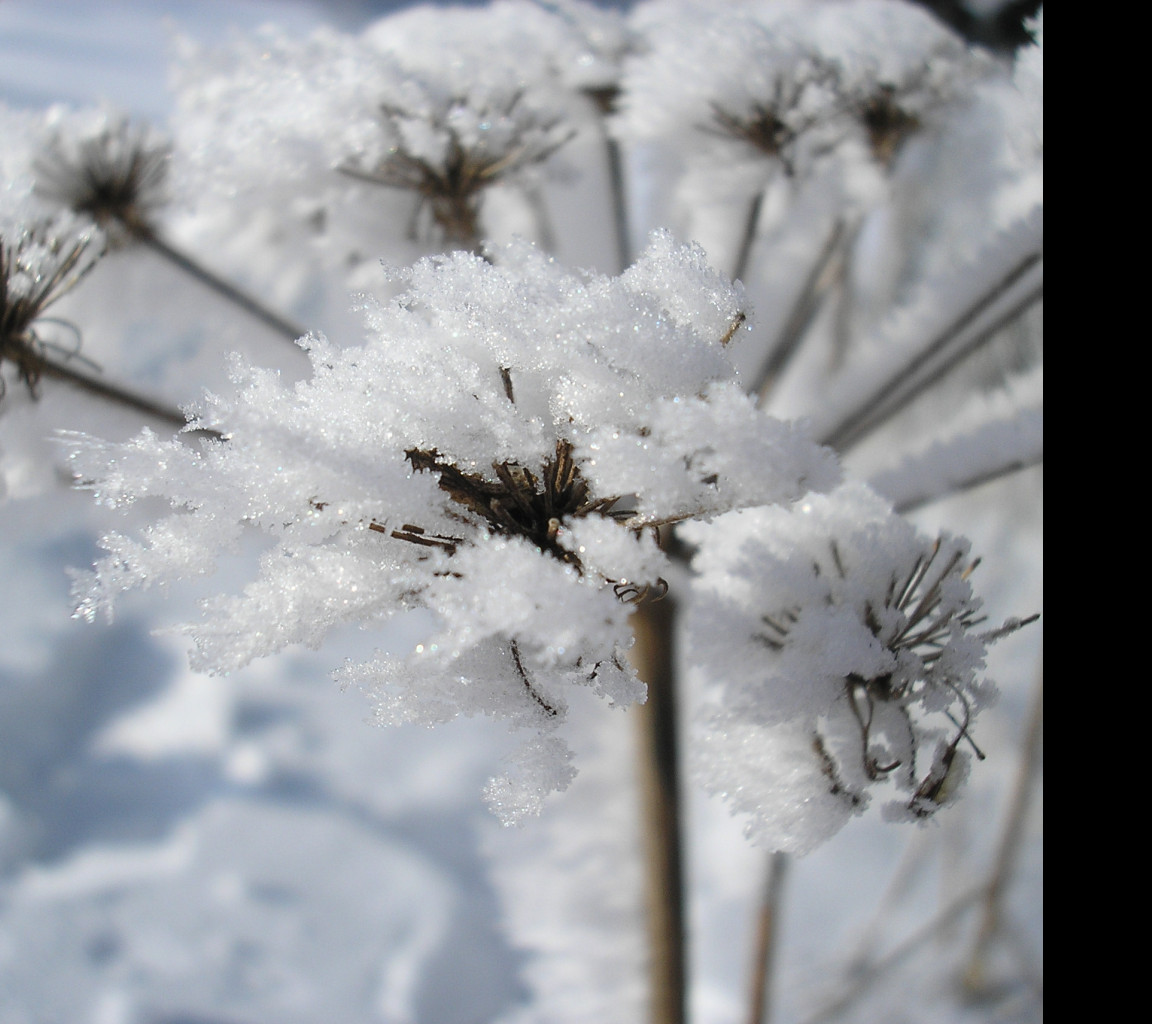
[897, 65]
[862, 637]
[449, 151]
[107, 167]
[39, 263]
[792, 103]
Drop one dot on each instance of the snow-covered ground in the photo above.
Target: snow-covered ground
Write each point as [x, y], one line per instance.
[250, 849]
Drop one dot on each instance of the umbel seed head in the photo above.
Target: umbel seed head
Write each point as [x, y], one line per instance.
[115, 172]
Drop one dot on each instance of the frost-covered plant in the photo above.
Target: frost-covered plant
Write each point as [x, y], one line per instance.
[843, 650]
[383, 108]
[448, 149]
[897, 66]
[105, 166]
[499, 453]
[742, 74]
[500, 450]
[40, 261]
[768, 72]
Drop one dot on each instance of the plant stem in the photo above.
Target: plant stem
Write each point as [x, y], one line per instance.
[823, 275]
[112, 392]
[996, 308]
[912, 502]
[868, 976]
[1010, 837]
[748, 238]
[229, 292]
[654, 657]
[764, 947]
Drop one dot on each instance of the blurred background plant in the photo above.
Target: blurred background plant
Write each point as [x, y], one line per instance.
[176, 848]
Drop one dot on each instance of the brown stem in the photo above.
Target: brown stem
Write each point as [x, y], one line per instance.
[615, 160]
[911, 502]
[653, 656]
[547, 708]
[748, 238]
[868, 976]
[764, 946]
[823, 275]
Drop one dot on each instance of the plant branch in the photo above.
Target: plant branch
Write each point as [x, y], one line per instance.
[110, 392]
[1011, 296]
[748, 238]
[868, 976]
[287, 329]
[615, 159]
[993, 450]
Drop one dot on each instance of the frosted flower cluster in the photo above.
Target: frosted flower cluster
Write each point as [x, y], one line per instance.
[793, 80]
[498, 453]
[844, 650]
[383, 108]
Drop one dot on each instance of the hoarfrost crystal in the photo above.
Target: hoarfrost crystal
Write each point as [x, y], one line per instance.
[496, 454]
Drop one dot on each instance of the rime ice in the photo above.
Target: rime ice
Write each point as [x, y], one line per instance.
[494, 453]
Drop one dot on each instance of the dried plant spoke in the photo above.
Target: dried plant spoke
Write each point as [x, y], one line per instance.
[519, 503]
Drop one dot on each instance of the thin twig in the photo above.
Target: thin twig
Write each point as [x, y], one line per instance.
[544, 706]
[764, 947]
[748, 238]
[899, 885]
[870, 975]
[912, 502]
[615, 159]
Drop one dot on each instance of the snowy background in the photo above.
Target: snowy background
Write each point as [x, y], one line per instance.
[180, 849]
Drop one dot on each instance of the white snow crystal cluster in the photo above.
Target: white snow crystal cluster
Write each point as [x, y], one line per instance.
[843, 651]
[497, 453]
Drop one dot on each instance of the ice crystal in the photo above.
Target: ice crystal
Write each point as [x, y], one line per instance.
[498, 453]
[859, 667]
